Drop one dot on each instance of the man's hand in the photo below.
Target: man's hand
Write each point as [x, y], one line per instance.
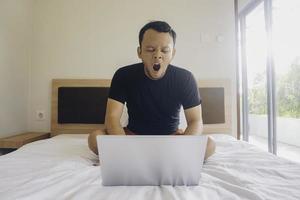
[179, 132]
[210, 147]
[92, 141]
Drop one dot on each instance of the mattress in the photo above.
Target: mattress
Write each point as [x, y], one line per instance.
[63, 167]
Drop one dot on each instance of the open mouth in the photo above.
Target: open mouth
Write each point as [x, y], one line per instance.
[156, 67]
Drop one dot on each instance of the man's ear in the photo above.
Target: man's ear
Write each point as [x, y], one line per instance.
[173, 53]
[139, 52]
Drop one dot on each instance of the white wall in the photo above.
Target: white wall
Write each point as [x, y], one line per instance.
[15, 44]
[92, 38]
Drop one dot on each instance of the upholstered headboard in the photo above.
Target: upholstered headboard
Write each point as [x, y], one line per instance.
[216, 105]
[78, 105]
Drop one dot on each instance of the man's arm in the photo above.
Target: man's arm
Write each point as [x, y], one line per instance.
[114, 110]
[195, 127]
[113, 115]
[194, 121]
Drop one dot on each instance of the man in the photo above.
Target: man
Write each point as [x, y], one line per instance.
[153, 91]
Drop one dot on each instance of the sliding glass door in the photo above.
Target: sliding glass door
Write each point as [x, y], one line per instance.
[254, 75]
[286, 40]
[270, 75]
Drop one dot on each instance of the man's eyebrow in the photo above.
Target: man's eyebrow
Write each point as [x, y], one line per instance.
[152, 47]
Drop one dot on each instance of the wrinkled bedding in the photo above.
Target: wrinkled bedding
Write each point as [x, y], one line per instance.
[63, 167]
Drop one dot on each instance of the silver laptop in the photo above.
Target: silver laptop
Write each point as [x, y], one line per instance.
[136, 160]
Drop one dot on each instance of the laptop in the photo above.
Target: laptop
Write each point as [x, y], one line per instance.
[138, 160]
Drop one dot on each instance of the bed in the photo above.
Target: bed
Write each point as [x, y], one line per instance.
[63, 167]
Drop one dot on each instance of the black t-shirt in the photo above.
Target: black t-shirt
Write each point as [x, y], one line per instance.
[154, 105]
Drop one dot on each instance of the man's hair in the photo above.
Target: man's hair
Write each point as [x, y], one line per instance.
[159, 26]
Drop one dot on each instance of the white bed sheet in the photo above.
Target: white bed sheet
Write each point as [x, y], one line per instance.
[64, 168]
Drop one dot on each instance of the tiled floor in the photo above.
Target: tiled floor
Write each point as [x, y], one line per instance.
[284, 150]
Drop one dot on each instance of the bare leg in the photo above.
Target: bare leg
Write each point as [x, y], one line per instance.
[210, 148]
[92, 139]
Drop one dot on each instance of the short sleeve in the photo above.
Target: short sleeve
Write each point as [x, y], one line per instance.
[117, 89]
[190, 93]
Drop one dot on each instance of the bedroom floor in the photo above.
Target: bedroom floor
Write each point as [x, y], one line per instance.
[284, 150]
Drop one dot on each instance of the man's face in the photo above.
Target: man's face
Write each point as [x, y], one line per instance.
[156, 52]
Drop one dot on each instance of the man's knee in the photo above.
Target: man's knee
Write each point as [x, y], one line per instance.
[210, 148]
[92, 141]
